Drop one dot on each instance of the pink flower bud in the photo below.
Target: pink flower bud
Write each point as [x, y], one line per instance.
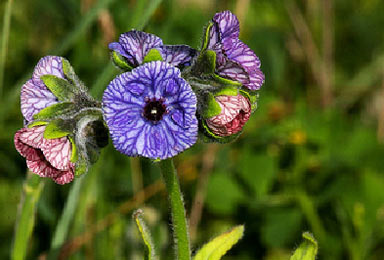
[235, 111]
[46, 157]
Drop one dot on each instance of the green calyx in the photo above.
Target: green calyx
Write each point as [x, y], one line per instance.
[252, 97]
[74, 156]
[69, 72]
[153, 55]
[206, 36]
[37, 123]
[61, 88]
[211, 137]
[205, 64]
[120, 61]
[55, 110]
[212, 107]
[56, 129]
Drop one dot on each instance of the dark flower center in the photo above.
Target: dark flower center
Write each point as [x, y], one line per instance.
[154, 110]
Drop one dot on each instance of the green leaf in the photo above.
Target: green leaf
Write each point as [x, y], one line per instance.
[217, 247]
[61, 88]
[212, 107]
[145, 235]
[307, 250]
[224, 81]
[54, 110]
[153, 55]
[56, 129]
[120, 62]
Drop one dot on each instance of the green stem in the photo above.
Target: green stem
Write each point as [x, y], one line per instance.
[179, 221]
[26, 215]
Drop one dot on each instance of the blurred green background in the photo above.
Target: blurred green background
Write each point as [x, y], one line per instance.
[310, 158]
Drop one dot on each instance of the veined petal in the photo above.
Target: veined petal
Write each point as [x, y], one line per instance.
[150, 130]
[134, 45]
[228, 24]
[64, 177]
[34, 97]
[49, 65]
[58, 152]
[178, 55]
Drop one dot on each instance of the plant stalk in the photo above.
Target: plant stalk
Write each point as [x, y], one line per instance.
[179, 221]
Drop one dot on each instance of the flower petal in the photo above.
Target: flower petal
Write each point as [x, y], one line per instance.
[51, 65]
[43, 168]
[29, 152]
[140, 135]
[178, 55]
[34, 97]
[134, 45]
[225, 25]
[58, 152]
[64, 177]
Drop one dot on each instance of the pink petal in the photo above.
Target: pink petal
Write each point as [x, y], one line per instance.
[25, 150]
[58, 152]
[64, 177]
[32, 136]
[43, 168]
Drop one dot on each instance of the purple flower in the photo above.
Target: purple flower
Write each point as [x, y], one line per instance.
[234, 59]
[48, 158]
[135, 45]
[34, 94]
[150, 111]
[235, 112]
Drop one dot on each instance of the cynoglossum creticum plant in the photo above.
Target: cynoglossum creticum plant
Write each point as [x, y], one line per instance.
[167, 94]
[63, 125]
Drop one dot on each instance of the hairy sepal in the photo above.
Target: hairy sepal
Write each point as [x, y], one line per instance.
[120, 61]
[61, 88]
[153, 55]
[55, 111]
[145, 235]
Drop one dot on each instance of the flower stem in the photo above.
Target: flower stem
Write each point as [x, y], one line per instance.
[179, 221]
[26, 215]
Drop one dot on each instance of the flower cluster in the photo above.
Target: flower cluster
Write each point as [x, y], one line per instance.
[165, 96]
[63, 129]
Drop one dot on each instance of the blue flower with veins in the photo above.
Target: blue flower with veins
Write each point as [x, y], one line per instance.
[151, 111]
[135, 45]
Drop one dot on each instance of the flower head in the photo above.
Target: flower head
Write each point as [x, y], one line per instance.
[49, 158]
[134, 46]
[235, 112]
[150, 111]
[235, 60]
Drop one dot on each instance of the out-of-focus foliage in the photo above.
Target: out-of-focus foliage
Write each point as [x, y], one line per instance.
[310, 158]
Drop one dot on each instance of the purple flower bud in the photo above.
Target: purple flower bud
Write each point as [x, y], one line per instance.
[135, 45]
[48, 158]
[235, 112]
[235, 60]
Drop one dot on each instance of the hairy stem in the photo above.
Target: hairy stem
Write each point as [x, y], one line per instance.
[179, 221]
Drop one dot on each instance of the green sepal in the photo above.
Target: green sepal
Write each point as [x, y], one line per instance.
[37, 123]
[212, 108]
[61, 88]
[69, 72]
[227, 81]
[120, 61]
[54, 110]
[74, 156]
[307, 249]
[206, 36]
[153, 55]
[145, 235]
[218, 246]
[252, 97]
[209, 137]
[228, 90]
[205, 64]
[56, 129]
